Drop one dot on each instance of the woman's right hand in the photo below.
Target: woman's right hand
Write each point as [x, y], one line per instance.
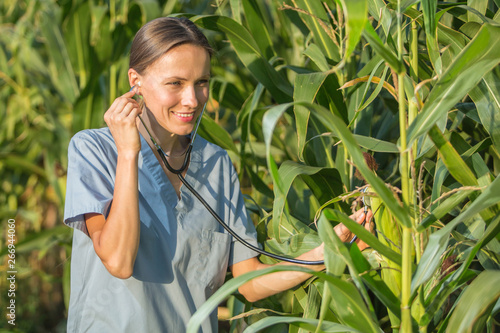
[121, 118]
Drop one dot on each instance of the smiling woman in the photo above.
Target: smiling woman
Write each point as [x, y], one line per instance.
[175, 88]
[146, 255]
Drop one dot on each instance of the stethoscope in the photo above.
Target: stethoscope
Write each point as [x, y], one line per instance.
[179, 172]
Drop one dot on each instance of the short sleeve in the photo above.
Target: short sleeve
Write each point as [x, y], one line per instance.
[90, 179]
[242, 225]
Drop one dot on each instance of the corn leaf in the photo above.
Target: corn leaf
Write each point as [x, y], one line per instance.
[309, 324]
[355, 13]
[258, 27]
[476, 300]
[249, 53]
[375, 282]
[347, 303]
[214, 133]
[439, 240]
[387, 54]
[363, 234]
[486, 96]
[287, 172]
[317, 15]
[475, 61]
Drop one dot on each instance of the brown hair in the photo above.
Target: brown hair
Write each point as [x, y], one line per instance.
[159, 36]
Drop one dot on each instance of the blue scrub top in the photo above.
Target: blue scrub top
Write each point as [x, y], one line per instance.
[183, 252]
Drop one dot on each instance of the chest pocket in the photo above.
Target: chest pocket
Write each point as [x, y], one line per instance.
[211, 258]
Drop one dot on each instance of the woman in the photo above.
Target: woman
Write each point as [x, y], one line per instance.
[146, 254]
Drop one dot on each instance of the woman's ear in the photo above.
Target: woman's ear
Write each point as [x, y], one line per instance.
[134, 79]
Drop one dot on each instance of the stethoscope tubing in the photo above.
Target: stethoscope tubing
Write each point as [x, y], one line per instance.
[179, 172]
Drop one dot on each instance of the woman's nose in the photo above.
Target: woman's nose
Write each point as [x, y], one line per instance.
[189, 98]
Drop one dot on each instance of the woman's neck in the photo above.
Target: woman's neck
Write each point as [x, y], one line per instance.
[172, 144]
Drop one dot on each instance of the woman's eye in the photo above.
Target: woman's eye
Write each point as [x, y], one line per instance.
[174, 83]
[203, 83]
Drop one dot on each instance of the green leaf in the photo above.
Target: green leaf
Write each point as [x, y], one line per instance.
[334, 263]
[454, 163]
[377, 145]
[249, 53]
[149, 9]
[314, 53]
[337, 126]
[458, 277]
[295, 245]
[378, 9]
[62, 75]
[486, 96]
[258, 183]
[325, 184]
[456, 166]
[309, 324]
[214, 133]
[477, 298]
[246, 114]
[287, 173]
[307, 86]
[478, 5]
[429, 9]
[346, 302]
[232, 285]
[322, 87]
[335, 245]
[321, 37]
[306, 90]
[363, 234]
[41, 240]
[376, 43]
[236, 9]
[258, 27]
[375, 282]
[20, 162]
[302, 121]
[355, 13]
[376, 92]
[439, 240]
[475, 60]
[443, 208]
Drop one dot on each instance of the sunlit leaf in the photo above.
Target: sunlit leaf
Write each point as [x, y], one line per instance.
[309, 324]
[250, 54]
[477, 59]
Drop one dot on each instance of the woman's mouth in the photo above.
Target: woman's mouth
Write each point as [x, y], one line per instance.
[184, 116]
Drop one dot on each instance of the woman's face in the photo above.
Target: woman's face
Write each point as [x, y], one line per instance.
[175, 87]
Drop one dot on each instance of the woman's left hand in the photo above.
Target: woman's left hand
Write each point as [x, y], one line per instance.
[360, 216]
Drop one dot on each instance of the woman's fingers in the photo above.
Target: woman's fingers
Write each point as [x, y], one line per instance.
[360, 217]
[121, 118]
[370, 226]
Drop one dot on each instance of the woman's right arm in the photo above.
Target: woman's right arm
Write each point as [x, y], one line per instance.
[116, 238]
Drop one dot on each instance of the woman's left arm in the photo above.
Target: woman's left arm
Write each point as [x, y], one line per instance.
[271, 284]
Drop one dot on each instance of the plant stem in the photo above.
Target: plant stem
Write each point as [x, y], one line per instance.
[412, 114]
[406, 325]
[325, 303]
[79, 52]
[112, 14]
[112, 83]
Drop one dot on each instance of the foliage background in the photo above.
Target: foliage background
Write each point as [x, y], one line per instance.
[63, 62]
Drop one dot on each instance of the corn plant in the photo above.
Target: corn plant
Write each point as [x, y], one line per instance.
[412, 84]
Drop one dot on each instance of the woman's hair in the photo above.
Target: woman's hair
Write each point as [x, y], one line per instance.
[159, 36]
